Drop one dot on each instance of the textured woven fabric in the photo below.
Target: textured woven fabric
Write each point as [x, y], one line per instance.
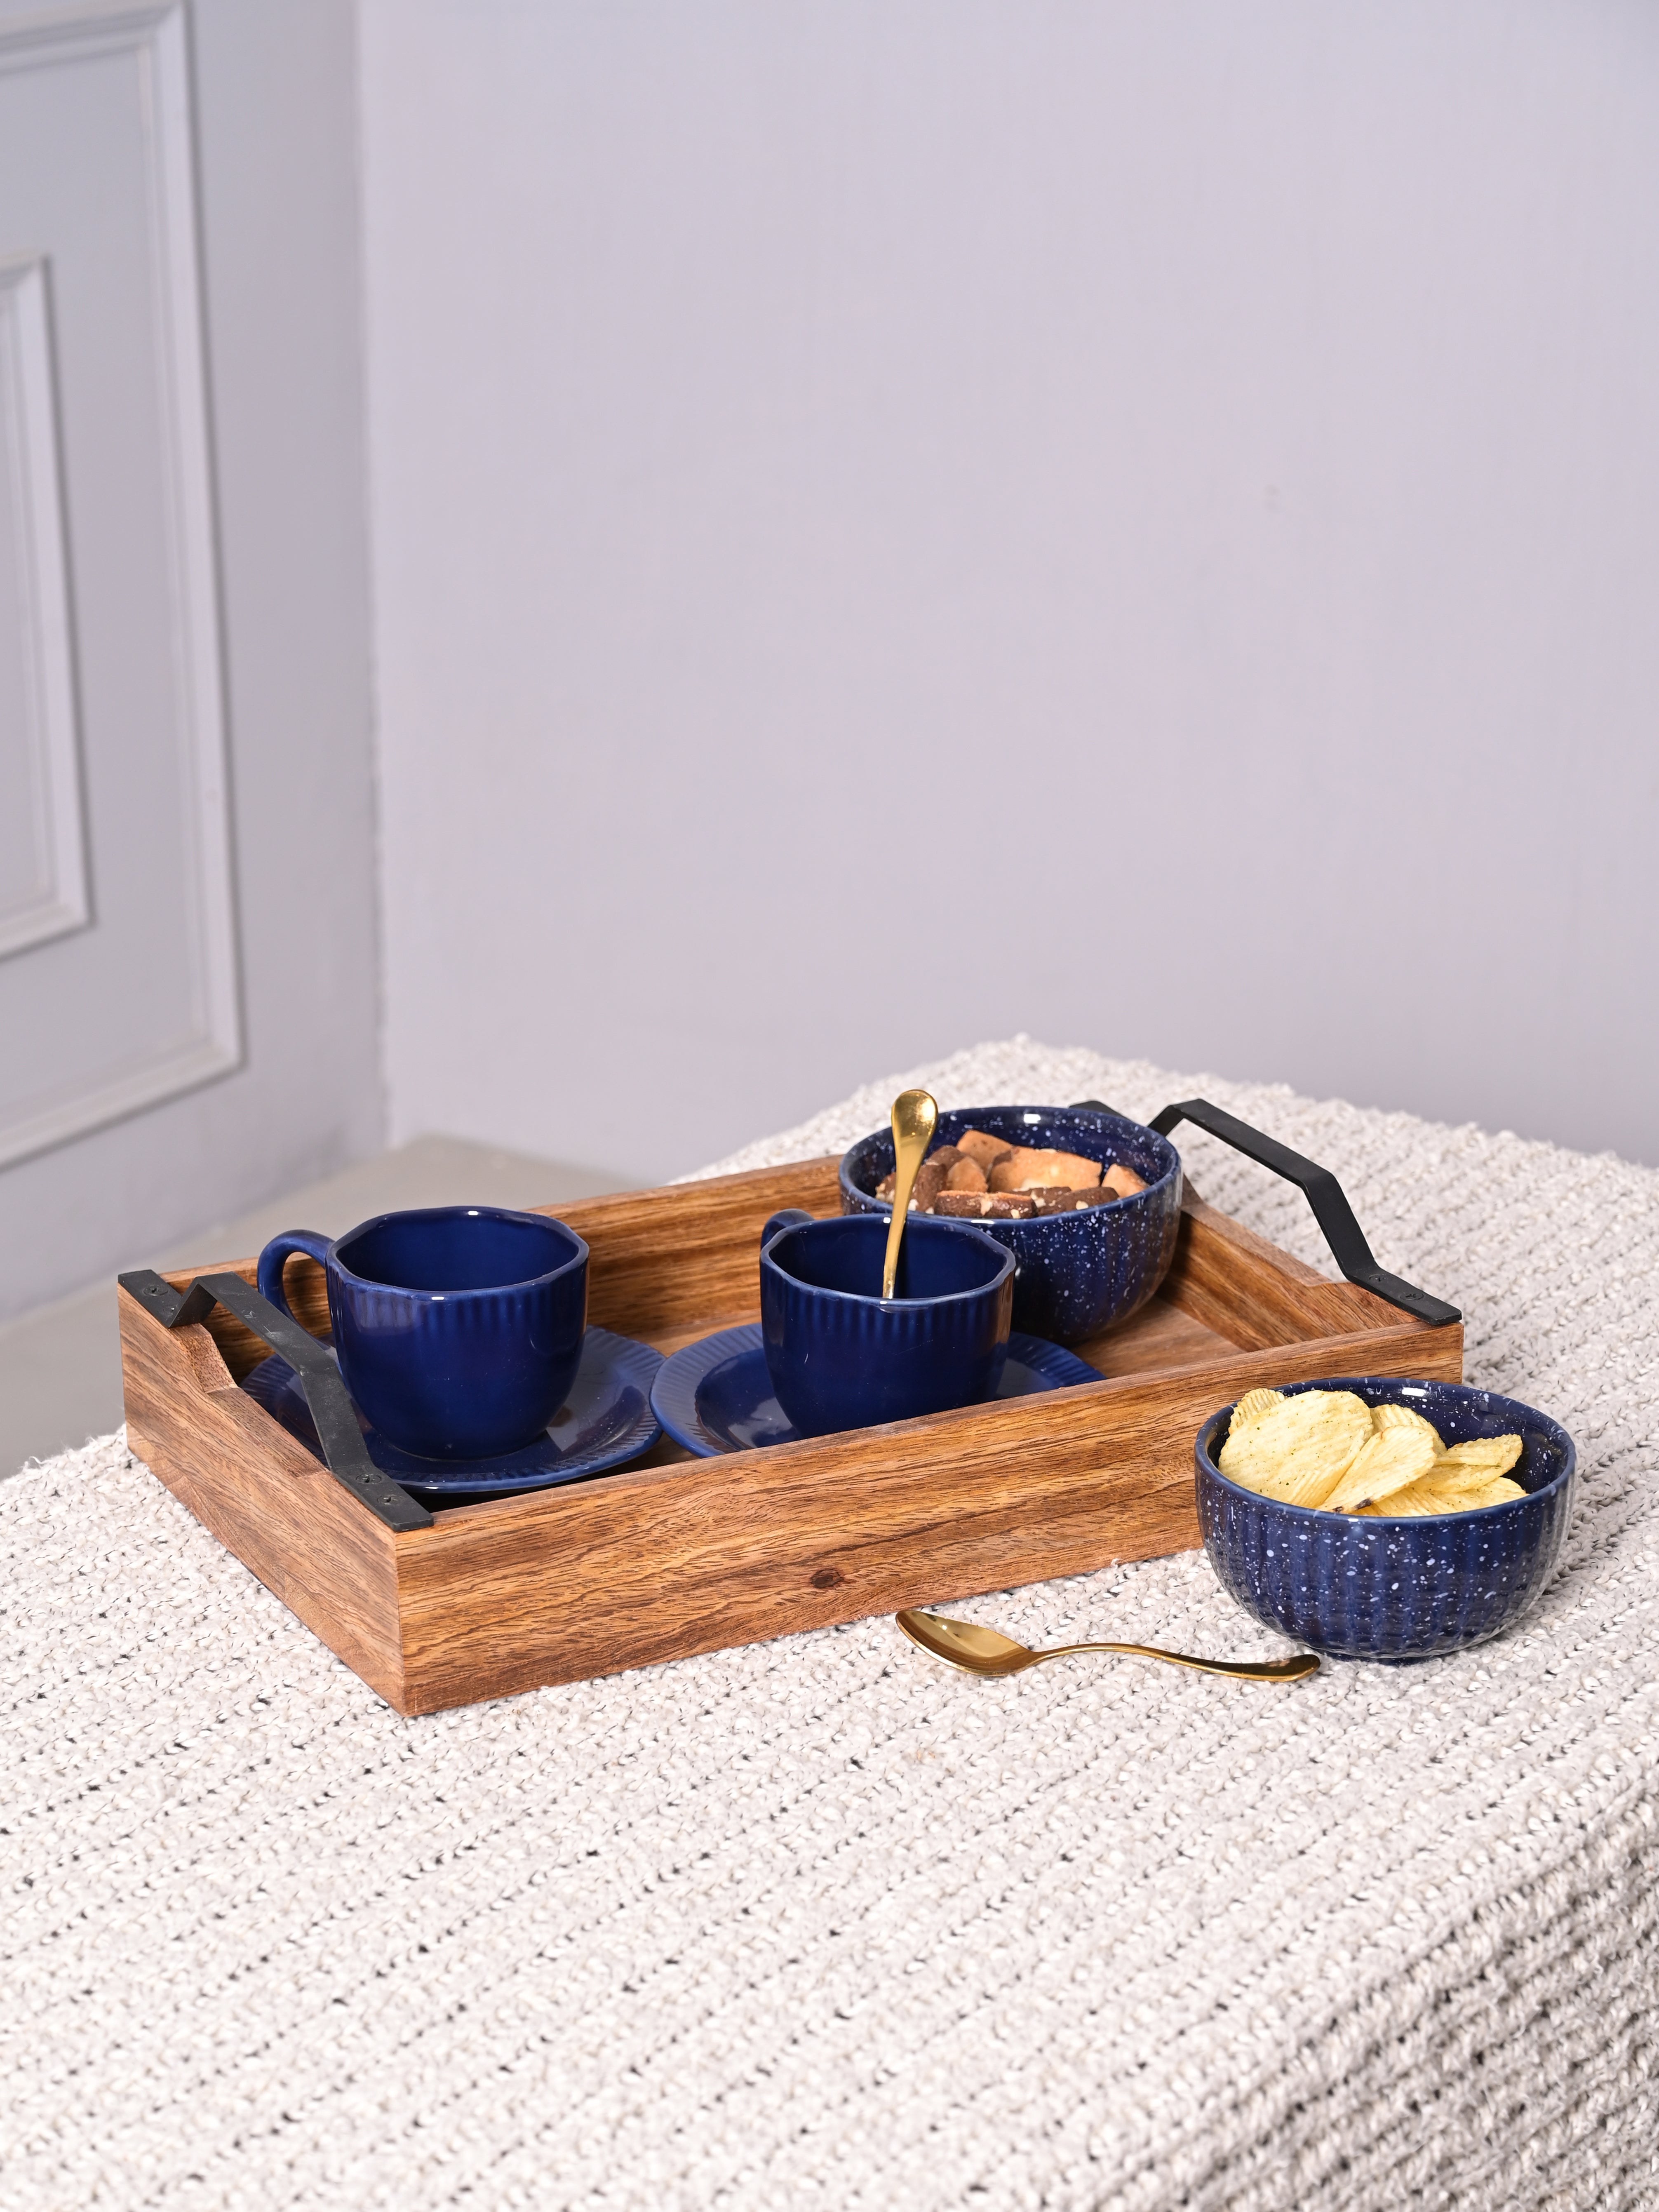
[819, 1923]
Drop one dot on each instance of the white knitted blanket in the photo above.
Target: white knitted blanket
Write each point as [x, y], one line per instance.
[818, 1923]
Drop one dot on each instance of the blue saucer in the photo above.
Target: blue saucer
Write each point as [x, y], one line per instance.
[716, 1395]
[606, 1419]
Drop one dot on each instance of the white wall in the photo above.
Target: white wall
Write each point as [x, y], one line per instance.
[898, 523]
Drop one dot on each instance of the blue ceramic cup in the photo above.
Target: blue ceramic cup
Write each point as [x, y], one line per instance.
[841, 1357]
[458, 1329]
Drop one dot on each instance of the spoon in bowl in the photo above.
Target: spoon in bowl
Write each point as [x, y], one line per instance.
[986, 1651]
[914, 1118]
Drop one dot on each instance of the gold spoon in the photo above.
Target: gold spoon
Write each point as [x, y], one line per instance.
[915, 1117]
[979, 1650]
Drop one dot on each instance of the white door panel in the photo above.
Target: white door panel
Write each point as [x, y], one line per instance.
[111, 1019]
[96, 188]
[43, 890]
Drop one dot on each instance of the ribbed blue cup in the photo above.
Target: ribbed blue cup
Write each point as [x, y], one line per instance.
[1364, 1588]
[1075, 1273]
[458, 1328]
[841, 1357]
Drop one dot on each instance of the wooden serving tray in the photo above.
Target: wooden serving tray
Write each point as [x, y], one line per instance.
[674, 1554]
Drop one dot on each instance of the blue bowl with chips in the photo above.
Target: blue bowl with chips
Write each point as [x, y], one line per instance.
[1372, 1587]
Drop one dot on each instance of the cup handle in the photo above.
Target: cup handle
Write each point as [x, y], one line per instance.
[791, 1216]
[276, 1254]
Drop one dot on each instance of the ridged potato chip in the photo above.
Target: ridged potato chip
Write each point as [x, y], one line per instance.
[1392, 1460]
[1491, 1493]
[1483, 1454]
[1298, 1449]
[1384, 1417]
[1450, 1478]
[1450, 1487]
[1251, 1406]
[1432, 1495]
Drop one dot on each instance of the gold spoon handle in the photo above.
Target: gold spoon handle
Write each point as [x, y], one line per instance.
[901, 1188]
[1302, 1663]
[913, 1118]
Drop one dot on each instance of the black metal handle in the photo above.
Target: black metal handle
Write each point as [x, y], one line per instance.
[1324, 1193]
[344, 1449]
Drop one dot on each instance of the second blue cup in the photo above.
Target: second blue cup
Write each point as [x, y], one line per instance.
[841, 1357]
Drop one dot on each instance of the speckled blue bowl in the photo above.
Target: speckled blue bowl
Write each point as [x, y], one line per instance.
[1075, 1273]
[1359, 1588]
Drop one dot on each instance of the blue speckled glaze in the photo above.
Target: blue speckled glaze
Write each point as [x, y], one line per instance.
[842, 1357]
[606, 1419]
[1359, 1588]
[1076, 1273]
[716, 1395]
[458, 1329]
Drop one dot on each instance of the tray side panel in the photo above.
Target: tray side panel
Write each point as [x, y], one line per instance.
[664, 1261]
[672, 1262]
[646, 1567]
[1160, 1338]
[235, 1342]
[1234, 1282]
[262, 1495]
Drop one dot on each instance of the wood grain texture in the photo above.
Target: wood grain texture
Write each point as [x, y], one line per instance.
[263, 1495]
[239, 1348]
[663, 1260]
[640, 1568]
[1159, 1339]
[675, 1555]
[1234, 1282]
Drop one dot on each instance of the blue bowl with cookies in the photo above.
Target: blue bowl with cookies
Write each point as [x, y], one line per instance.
[1088, 1202]
[1376, 1517]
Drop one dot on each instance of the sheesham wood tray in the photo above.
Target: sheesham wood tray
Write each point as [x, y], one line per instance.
[673, 1554]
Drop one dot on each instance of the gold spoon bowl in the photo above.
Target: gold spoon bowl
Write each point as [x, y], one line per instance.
[987, 1651]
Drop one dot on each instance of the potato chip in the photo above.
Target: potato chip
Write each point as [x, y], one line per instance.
[1483, 1454]
[1495, 1492]
[1298, 1449]
[1251, 1406]
[1450, 1475]
[1393, 1458]
[1392, 1416]
[1452, 1489]
[1430, 1495]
